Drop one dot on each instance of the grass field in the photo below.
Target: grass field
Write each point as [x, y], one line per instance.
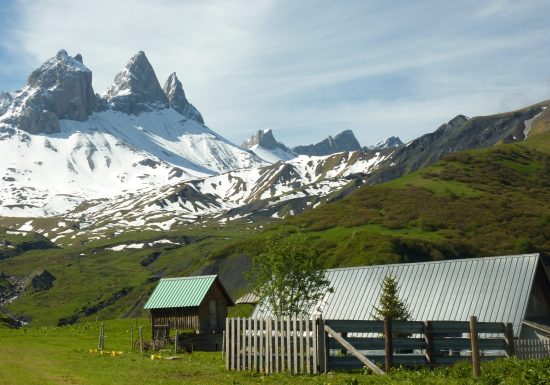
[61, 355]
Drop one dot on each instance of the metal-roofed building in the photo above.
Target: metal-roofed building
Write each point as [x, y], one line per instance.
[495, 289]
[193, 303]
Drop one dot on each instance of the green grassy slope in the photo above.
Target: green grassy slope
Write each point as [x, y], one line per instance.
[477, 203]
[93, 281]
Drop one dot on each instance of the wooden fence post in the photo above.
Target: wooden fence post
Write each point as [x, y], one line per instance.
[141, 339]
[232, 344]
[301, 339]
[131, 338]
[256, 349]
[249, 333]
[308, 348]
[226, 340]
[238, 336]
[509, 338]
[476, 368]
[388, 343]
[315, 344]
[261, 343]
[281, 321]
[176, 342]
[101, 342]
[276, 341]
[429, 339]
[322, 346]
[288, 346]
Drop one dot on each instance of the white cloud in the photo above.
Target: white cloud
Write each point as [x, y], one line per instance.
[308, 69]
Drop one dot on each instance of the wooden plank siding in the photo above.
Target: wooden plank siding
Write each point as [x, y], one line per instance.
[195, 318]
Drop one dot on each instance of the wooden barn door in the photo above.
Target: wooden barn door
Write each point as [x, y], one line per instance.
[213, 314]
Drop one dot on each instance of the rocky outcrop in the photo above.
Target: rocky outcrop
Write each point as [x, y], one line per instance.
[136, 88]
[5, 102]
[60, 89]
[265, 139]
[344, 141]
[39, 281]
[177, 100]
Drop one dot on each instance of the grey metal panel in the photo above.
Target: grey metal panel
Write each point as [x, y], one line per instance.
[494, 289]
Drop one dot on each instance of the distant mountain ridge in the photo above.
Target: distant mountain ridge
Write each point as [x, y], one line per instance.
[391, 142]
[344, 141]
[459, 134]
[263, 144]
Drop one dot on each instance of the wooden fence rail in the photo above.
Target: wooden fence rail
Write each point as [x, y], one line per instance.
[301, 345]
[532, 349]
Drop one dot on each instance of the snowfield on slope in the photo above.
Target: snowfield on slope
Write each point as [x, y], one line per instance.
[110, 154]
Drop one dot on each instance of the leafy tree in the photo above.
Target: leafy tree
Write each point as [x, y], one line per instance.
[389, 304]
[289, 277]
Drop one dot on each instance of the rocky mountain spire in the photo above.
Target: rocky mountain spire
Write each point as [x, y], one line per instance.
[60, 89]
[136, 88]
[177, 100]
[265, 139]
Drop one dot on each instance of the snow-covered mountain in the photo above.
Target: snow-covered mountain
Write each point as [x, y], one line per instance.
[141, 156]
[65, 144]
[263, 144]
[272, 191]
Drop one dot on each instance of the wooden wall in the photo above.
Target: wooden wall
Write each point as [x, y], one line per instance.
[180, 318]
[215, 293]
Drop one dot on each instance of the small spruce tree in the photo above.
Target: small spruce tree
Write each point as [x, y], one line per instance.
[390, 305]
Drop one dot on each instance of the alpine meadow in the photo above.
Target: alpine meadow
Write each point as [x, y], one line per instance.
[279, 193]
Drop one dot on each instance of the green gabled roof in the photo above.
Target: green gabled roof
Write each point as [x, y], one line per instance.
[180, 292]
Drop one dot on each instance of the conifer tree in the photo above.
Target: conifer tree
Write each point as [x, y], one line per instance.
[390, 305]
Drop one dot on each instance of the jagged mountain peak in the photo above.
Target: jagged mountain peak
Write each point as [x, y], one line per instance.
[173, 90]
[136, 88]
[262, 138]
[344, 141]
[391, 142]
[263, 144]
[458, 120]
[52, 71]
[61, 88]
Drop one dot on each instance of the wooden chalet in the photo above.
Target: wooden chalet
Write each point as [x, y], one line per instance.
[189, 303]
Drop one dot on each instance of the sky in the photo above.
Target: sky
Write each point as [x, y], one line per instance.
[306, 69]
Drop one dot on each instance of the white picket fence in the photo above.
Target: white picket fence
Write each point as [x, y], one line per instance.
[532, 349]
[271, 345]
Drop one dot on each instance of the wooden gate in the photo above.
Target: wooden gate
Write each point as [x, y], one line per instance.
[272, 345]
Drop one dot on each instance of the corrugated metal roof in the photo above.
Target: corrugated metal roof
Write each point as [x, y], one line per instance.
[495, 289]
[180, 292]
[249, 298]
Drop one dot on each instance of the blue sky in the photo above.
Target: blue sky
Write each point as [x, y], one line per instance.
[305, 69]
